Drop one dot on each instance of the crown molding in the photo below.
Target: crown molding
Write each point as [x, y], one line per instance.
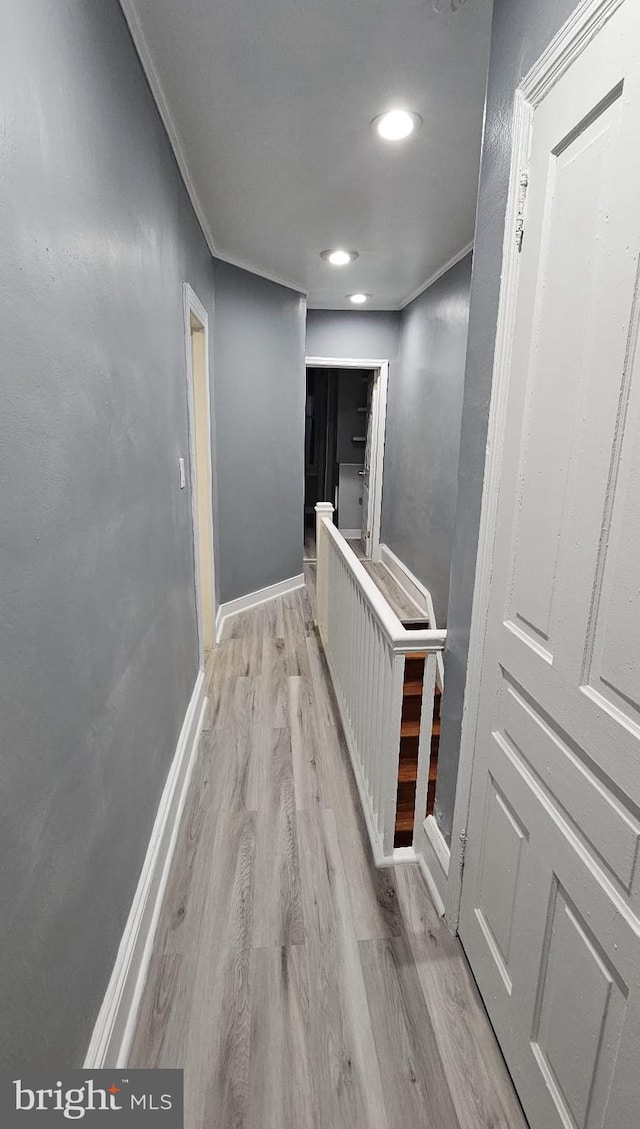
[438, 274]
[252, 268]
[160, 99]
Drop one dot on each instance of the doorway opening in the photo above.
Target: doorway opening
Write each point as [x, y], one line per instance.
[197, 351]
[345, 422]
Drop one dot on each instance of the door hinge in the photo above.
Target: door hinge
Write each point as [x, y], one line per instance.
[522, 200]
[462, 848]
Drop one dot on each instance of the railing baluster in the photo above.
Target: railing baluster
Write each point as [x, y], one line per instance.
[367, 735]
[424, 744]
[389, 780]
[362, 733]
[380, 716]
[357, 629]
[352, 631]
[365, 645]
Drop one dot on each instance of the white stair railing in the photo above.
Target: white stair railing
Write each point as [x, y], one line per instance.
[366, 646]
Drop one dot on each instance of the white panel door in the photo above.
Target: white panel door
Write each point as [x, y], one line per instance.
[550, 912]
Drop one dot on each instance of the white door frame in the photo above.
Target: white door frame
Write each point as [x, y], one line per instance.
[379, 425]
[564, 49]
[193, 306]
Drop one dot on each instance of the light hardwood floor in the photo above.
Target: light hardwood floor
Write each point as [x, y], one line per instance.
[403, 605]
[298, 986]
[309, 544]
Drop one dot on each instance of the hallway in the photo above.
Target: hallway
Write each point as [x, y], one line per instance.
[297, 985]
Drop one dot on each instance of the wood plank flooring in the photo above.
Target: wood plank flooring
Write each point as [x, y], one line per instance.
[298, 986]
[396, 597]
[309, 544]
[355, 543]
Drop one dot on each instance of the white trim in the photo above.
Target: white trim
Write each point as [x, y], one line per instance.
[434, 859]
[343, 362]
[415, 591]
[379, 435]
[253, 599]
[401, 640]
[193, 305]
[576, 34]
[492, 476]
[452, 262]
[434, 893]
[413, 588]
[157, 90]
[161, 101]
[351, 534]
[441, 849]
[114, 1028]
[262, 272]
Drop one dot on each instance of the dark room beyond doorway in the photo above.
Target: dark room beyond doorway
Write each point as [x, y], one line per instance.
[337, 449]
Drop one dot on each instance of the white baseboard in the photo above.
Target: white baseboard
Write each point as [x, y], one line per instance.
[434, 858]
[351, 534]
[253, 599]
[114, 1027]
[413, 588]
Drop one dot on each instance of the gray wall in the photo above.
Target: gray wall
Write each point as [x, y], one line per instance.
[423, 430]
[521, 31]
[260, 393]
[98, 652]
[358, 334]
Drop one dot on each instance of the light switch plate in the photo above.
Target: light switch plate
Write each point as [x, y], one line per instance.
[181, 469]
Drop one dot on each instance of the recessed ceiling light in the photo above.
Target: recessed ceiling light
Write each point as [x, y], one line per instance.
[338, 258]
[397, 124]
[358, 299]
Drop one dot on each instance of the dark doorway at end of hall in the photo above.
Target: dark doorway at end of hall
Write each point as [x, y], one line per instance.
[337, 422]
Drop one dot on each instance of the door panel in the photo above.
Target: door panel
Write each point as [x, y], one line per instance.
[550, 913]
[505, 842]
[570, 224]
[605, 826]
[576, 1034]
[612, 672]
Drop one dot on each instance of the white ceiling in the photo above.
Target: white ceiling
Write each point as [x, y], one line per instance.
[268, 104]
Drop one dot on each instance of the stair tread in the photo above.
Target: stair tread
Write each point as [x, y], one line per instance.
[411, 728]
[403, 838]
[408, 770]
[404, 821]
